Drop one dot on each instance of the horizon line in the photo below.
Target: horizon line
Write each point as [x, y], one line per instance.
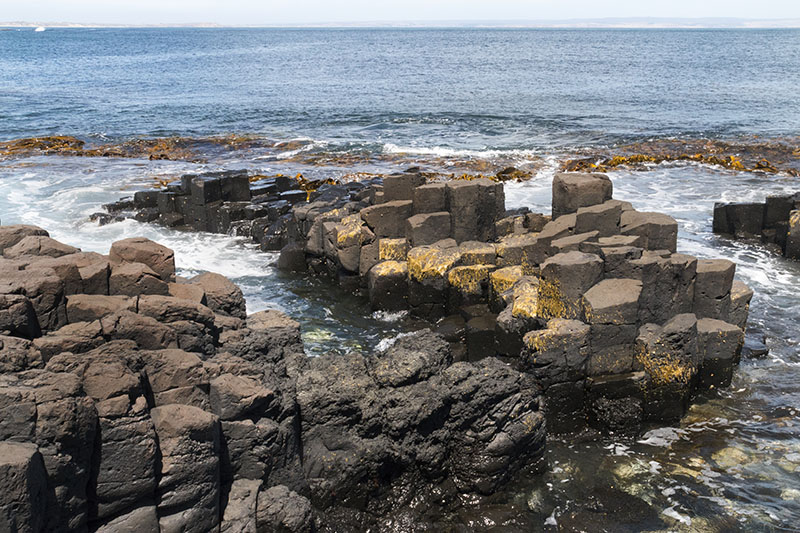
[578, 23]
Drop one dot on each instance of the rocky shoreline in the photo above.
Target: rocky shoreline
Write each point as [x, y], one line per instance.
[133, 400]
[774, 222]
[593, 300]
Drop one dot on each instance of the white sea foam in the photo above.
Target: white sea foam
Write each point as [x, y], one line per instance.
[442, 151]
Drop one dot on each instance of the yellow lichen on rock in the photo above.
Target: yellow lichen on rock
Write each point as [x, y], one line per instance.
[429, 262]
[389, 268]
[393, 249]
[348, 231]
[469, 279]
[664, 368]
[504, 278]
[552, 301]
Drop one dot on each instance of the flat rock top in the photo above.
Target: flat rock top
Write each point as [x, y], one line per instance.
[16, 453]
[614, 292]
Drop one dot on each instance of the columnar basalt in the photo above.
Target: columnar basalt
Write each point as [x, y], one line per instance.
[503, 283]
[570, 299]
[775, 222]
[132, 399]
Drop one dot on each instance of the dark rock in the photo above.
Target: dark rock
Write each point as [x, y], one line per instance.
[23, 488]
[280, 510]
[133, 279]
[430, 198]
[223, 296]
[427, 228]
[38, 245]
[572, 191]
[11, 235]
[189, 488]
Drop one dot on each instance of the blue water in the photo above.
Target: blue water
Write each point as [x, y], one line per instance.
[733, 464]
[465, 89]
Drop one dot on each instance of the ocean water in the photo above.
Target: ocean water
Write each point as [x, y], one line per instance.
[372, 100]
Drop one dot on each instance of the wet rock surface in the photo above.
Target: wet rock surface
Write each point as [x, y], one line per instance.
[176, 411]
[776, 222]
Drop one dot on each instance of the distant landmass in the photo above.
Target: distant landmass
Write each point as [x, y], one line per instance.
[655, 23]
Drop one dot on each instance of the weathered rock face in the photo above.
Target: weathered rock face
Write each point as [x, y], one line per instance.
[776, 222]
[409, 412]
[157, 404]
[596, 261]
[23, 487]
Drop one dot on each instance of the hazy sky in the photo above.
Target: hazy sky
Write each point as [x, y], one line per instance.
[310, 11]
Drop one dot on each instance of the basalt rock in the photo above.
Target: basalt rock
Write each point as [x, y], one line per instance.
[775, 222]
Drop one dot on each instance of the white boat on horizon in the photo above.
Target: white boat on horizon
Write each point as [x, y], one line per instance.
[40, 28]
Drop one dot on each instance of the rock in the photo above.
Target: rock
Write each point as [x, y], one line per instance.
[395, 249]
[743, 220]
[126, 456]
[45, 291]
[603, 218]
[147, 332]
[141, 520]
[95, 277]
[741, 295]
[467, 285]
[23, 488]
[669, 357]
[204, 190]
[558, 353]
[18, 317]
[134, 279]
[712, 290]
[481, 337]
[659, 231]
[477, 253]
[49, 410]
[11, 235]
[430, 198]
[176, 376]
[280, 510]
[572, 243]
[77, 338]
[475, 206]
[565, 278]
[223, 296]
[293, 258]
[401, 186]
[188, 291]
[241, 510]
[189, 490]
[388, 219]
[18, 355]
[428, 228]
[792, 248]
[140, 250]
[525, 250]
[571, 191]
[238, 397]
[388, 286]
[38, 245]
[613, 301]
[427, 274]
[500, 281]
[366, 416]
[719, 346]
[88, 308]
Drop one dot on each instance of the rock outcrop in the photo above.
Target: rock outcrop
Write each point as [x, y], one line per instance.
[774, 222]
[158, 405]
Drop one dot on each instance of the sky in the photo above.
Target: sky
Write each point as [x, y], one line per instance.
[266, 12]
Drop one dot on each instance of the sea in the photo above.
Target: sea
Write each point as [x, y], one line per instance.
[345, 103]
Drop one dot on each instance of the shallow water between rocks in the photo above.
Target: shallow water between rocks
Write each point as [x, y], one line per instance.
[733, 463]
